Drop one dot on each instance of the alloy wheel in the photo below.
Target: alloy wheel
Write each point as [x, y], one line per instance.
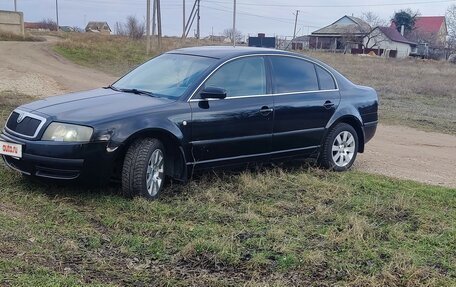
[155, 172]
[343, 148]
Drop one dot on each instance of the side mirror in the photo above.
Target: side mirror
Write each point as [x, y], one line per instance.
[213, 93]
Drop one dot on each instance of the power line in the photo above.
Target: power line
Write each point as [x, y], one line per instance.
[339, 6]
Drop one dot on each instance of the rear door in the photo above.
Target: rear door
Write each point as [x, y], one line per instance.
[239, 127]
[305, 98]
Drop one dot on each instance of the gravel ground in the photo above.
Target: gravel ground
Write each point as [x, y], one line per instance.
[32, 68]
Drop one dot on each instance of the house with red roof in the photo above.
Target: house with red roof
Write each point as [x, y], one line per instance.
[428, 29]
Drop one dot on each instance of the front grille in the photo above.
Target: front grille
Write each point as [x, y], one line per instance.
[28, 126]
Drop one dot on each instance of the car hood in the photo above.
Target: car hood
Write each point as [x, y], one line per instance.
[94, 105]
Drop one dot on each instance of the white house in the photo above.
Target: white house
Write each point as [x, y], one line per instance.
[389, 41]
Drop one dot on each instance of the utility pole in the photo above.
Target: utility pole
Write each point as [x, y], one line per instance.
[15, 5]
[183, 17]
[198, 21]
[159, 24]
[154, 15]
[191, 19]
[148, 28]
[234, 24]
[57, 13]
[296, 22]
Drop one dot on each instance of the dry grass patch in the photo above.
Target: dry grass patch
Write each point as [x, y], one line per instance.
[4, 36]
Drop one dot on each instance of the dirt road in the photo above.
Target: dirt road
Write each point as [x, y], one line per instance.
[33, 69]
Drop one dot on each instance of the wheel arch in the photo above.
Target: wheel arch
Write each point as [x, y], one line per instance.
[355, 123]
[175, 159]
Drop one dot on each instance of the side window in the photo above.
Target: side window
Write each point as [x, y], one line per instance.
[294, 75]
[242, 77]
[325, 79]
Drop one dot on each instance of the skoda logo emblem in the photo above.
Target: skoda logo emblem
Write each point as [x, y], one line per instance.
[20, 118]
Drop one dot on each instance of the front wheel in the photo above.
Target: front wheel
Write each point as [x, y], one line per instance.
[340, 148]
[143, 171]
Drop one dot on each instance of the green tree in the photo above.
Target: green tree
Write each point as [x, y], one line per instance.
[406, 18]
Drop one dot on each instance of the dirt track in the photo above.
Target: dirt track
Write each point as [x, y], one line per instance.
[33, 69]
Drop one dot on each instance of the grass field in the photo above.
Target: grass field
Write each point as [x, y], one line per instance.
[270, 227]
[417, 93]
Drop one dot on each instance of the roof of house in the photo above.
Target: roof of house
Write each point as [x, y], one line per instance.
[394, 35]
[93, 25]
[427, 24]
[304, 38]
[31, 25]
[345, 25]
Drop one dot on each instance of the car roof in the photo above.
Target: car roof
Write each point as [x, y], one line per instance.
[226, 52]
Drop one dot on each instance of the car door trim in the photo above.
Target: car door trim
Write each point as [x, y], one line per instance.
[212, 141]
[272, 94]
[252, 155]
[299, 131]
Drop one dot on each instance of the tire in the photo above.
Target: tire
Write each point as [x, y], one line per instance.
[344, 139]
[143, 171]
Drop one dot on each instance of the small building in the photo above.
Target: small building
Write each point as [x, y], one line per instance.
[67, 29]
[430, 33]
[300, 43]
[218, 39]
[388, 41]
[346, 33]
[262, 41]
[98, 27]
[44, 26]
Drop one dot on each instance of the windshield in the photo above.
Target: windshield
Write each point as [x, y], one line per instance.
[168, 75]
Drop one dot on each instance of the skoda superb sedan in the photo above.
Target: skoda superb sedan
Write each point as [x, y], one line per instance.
[190, 109]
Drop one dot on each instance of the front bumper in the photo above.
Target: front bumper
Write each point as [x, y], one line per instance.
[89, 162]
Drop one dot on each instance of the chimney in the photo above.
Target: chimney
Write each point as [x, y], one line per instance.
[261, 35]
[402, 30]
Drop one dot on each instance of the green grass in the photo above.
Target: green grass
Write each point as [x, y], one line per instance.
[116, 56]
[270, 228]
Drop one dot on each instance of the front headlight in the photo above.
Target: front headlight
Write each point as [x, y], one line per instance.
[67, 133]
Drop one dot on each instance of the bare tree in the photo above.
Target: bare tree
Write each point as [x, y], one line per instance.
[237, 34]
[132, 28]
[451, 24]
[48, 24]
[373, 19]
[374, 39]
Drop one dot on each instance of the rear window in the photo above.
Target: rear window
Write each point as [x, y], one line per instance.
[294, 75]
[325, 79]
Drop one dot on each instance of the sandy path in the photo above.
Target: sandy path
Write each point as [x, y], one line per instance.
[408, 153]
[33, 69]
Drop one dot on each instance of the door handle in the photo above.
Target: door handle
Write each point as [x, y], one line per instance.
[328, 104]
[266, 110]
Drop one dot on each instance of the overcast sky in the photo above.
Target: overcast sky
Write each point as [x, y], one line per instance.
[267, 16]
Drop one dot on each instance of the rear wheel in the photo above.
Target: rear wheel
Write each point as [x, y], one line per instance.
[143, 170]
[340, 148]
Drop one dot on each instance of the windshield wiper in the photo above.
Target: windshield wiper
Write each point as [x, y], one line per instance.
[137, 92]
[112, 88]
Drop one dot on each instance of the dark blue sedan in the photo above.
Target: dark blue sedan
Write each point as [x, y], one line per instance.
[189, 109]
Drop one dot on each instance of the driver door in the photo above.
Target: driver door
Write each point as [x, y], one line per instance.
[239, 127]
